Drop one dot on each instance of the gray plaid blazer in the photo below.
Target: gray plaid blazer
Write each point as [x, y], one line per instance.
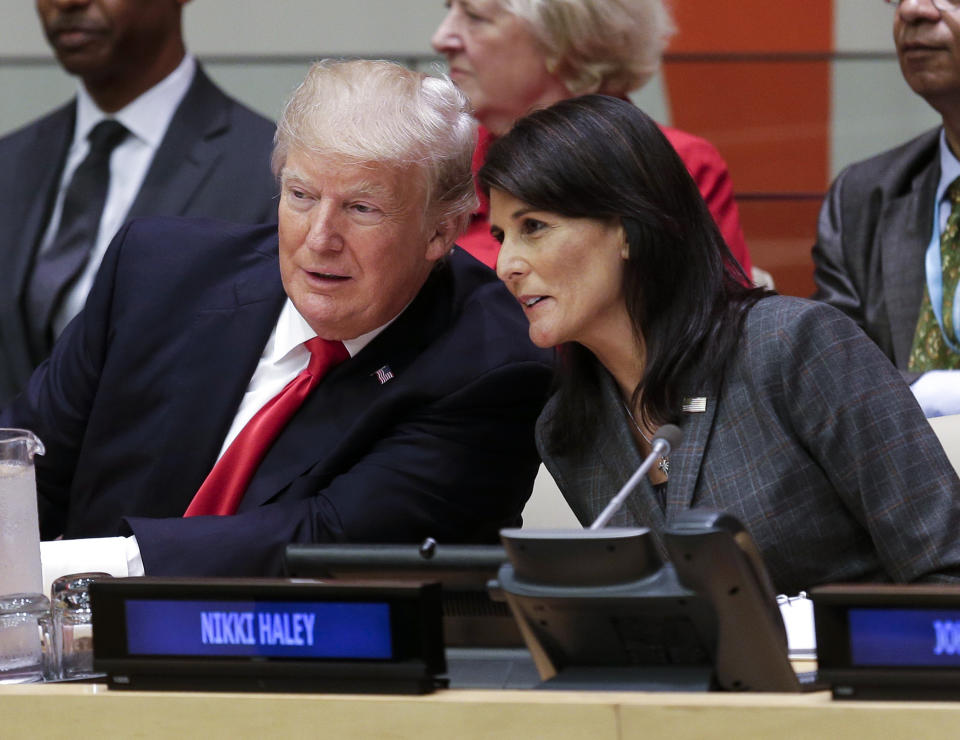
[812, 441]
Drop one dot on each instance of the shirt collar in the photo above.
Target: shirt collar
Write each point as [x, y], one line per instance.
[293, 330]
[146, 117]
[949, 166]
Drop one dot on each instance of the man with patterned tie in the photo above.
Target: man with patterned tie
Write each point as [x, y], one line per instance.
[148, 135]
[886, 252]
[228, 389]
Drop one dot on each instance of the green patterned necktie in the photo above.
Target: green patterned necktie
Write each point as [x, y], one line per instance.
[930, 351]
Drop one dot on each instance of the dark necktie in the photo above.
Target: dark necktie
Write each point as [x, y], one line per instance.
[58, 266]
[225, 485]
[929, 350]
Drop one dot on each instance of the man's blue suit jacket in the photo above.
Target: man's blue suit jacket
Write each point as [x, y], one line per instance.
[140, 390]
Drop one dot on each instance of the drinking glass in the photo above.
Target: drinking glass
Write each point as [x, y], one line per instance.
[73, 625]
[21, 656]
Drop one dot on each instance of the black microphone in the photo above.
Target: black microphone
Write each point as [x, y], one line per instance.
[667, 437]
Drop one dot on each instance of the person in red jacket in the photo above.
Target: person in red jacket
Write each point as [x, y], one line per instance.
[514, 56]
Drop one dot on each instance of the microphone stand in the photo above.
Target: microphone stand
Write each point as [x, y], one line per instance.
[666, 438]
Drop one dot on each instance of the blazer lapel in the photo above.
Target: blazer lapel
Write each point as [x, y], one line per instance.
[904, 231]
[187, 153]
[619, 458]
[686, 459]
[224, 346]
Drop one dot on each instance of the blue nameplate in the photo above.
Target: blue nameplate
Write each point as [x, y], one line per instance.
[885, 641]
[262, 634]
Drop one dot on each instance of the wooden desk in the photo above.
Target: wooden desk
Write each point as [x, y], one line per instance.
[94, 712]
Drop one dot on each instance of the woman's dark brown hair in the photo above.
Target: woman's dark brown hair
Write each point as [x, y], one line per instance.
[601, 157]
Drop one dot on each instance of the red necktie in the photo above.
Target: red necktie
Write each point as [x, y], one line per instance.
[225, 485]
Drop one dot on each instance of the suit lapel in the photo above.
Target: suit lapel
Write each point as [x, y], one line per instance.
[320, 433]
[224, 346]
[187, 153]
[686, 460]
[904, 232]
[619, 458]
[318, 438]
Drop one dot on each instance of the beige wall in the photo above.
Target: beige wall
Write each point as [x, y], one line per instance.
[873, 108]
[282, 27]
[257, 50]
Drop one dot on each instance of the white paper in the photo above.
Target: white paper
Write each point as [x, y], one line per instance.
[797, 614]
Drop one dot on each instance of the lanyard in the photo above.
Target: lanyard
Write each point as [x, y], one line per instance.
[934, 270]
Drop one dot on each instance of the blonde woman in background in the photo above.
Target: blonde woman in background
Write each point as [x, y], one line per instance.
[514, 56]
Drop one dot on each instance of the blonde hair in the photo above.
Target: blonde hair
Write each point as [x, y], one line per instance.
[378, 112]
[605, 46]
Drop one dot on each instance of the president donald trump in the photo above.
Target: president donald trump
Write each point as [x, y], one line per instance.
[229, 390]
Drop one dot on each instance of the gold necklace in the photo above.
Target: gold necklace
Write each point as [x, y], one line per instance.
[663, 464]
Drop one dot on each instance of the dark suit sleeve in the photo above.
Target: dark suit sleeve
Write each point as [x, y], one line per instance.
[863, 427]
[456, 470]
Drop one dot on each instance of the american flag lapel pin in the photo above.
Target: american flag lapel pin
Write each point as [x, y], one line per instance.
[384, 374]
[694, 405]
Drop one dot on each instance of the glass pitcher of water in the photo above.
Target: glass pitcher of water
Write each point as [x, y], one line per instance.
[21, 580]
[19, 527]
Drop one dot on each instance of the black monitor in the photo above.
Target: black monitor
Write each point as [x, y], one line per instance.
[889, 641]
[472, 617]
[599, 608]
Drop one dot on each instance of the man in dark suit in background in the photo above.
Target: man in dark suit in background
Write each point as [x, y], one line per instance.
[148, 134]
[158, 406]
[878, 255]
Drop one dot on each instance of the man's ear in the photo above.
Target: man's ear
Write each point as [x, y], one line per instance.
[444, 235]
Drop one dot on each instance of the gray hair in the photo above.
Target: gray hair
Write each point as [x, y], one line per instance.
[605, 46]
[381, 112]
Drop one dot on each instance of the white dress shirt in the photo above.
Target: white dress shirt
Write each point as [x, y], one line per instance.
[284, 356]
[147, 119]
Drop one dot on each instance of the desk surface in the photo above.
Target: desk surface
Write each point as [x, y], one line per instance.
[93, 711]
